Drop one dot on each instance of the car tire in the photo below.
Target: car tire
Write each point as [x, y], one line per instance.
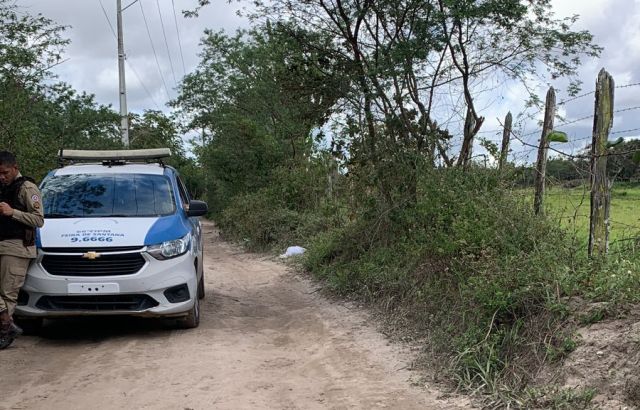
[192, 320]
[30, 326]
[201, 287]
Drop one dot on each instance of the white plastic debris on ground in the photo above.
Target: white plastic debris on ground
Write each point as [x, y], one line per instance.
[292, 251]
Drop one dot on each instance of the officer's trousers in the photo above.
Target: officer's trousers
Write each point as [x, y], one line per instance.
[12, 273]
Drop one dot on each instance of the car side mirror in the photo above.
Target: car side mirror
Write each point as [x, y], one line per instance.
[197, 208]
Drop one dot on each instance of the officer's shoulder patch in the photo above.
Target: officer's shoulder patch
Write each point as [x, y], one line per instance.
[35, 198]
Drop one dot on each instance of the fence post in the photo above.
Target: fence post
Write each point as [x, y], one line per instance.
[541, 165]
[506, 135]
[600, 185]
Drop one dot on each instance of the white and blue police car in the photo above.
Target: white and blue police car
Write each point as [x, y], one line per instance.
[121, 237]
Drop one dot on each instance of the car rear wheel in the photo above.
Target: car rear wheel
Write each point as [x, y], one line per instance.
[201, 288]
[193, 317]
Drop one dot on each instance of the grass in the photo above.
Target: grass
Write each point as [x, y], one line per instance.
[571, 207]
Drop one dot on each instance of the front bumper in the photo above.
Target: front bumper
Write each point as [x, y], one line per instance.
[139, 294]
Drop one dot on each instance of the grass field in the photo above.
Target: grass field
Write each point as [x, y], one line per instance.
[571, 207]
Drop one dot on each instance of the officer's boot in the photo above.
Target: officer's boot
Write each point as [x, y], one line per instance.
[5, 323]
[6, 334]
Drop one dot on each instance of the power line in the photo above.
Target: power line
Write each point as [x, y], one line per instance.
[144, 17]
[108, 20]
[175, 20]
[166, 43]
[143, 85]
[129, 5]
[129, 64]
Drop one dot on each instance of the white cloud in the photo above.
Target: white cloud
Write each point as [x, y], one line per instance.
[92, 55]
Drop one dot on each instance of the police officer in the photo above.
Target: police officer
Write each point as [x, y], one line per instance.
[20, 213]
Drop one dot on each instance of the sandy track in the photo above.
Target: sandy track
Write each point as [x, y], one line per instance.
[267, 340]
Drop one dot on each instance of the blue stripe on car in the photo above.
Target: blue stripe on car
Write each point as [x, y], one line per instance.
[167, 228]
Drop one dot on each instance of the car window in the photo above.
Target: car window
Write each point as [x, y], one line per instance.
[184, 193]
[103, 195]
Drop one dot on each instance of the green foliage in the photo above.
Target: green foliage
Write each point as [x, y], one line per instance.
[470, 264]
[456, 253]
[396, 55]
[256, 98]
[293, 208]
[558, 136]
[556, 353]
[611, 144]
[558, 398]
[257, 221]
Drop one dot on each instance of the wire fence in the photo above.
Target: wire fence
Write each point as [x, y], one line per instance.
[569, 198]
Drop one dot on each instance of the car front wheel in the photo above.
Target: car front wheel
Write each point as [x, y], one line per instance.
[192, 320]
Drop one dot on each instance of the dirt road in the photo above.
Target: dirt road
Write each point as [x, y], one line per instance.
[267, 340]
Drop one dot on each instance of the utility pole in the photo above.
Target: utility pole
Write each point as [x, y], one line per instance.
[124, 118]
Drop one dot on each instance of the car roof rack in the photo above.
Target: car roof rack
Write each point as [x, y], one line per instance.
[114, 157]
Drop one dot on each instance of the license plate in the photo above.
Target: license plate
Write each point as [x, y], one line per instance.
[89, 288]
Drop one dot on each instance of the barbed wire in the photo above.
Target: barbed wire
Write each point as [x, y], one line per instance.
[621, 131]
[627, 109]
[577, 97]
[574, 156]
[576, 120]
[628, 85]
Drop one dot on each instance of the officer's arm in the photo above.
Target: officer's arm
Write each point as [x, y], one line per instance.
[33, 216]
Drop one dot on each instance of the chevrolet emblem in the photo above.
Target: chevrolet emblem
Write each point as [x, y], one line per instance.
[91, 255]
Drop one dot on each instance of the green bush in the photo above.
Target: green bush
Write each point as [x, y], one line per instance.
[466, 263]
[470, 264]
[258, 221]
[291, 210]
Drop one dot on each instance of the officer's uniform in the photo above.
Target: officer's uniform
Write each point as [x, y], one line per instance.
[17, 237]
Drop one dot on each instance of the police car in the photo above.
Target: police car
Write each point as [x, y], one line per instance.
[121, 237]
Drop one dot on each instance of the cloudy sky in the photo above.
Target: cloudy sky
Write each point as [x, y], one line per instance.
[161, 45]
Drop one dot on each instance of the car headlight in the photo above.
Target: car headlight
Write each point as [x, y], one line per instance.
[170, 249]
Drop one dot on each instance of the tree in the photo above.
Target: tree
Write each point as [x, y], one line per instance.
[37, 116]
[624, 160]
[29, 47]
[405, 60]
[256, 99]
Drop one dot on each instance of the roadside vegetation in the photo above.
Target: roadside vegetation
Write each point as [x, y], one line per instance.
[328, 127]
[331, 139]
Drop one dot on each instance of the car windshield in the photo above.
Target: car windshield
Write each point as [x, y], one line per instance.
[107, 195]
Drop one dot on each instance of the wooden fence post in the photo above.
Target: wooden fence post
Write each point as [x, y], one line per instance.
[506, 136]
[600, 185]
[541, 165]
